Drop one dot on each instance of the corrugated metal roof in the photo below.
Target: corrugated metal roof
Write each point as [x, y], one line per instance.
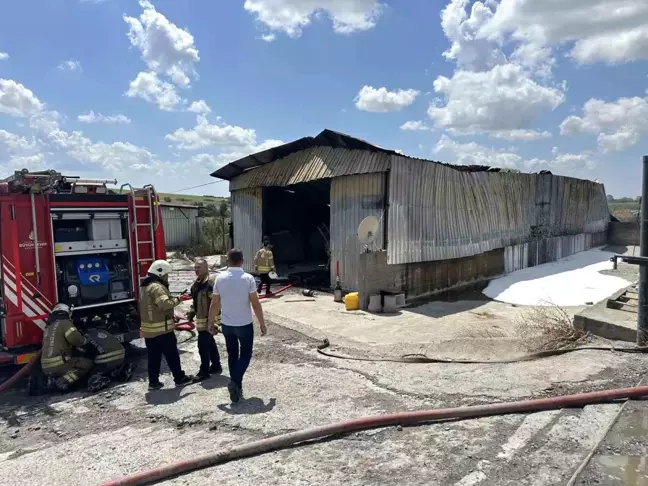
[312, 164]
[328, 138]
[436, 213]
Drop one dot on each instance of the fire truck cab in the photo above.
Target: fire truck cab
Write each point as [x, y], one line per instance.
[75, 241]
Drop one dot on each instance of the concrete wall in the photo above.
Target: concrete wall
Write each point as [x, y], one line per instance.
[623, 233]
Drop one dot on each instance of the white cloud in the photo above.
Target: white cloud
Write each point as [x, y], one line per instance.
[92, 117]
[413, 126]
[619, 124]
[115, 156]
[613, 31]
[205, 134]
[269, 37]
[166, 48]
[152, 89]
[201, 107]
[292, 16]
[379, 100]
[466, 47]
[563, 162]
[475, 154]
[3, 56]
[231, 156]
[16, 100]
[14, 143]
[70, 65]
[502, 99]
[17, 152]
[521, 135]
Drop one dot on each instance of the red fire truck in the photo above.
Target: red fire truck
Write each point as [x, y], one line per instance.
[75, 241]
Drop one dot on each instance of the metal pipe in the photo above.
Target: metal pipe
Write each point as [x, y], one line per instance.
[35, 230]
[76, 180]
[642, 320]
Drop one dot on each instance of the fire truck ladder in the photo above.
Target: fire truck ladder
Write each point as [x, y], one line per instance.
[146, 216]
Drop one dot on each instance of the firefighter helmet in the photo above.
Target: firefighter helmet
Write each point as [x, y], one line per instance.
[62, 309]
[160, 268]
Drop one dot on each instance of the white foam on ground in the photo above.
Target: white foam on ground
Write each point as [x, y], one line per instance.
[571, 281]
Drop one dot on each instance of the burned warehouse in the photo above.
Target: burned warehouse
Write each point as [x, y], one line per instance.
[439, 226]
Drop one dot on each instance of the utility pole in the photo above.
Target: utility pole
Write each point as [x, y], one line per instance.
[642, 261]
[642, 320]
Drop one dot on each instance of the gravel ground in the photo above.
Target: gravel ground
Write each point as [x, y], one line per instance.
[80, 439]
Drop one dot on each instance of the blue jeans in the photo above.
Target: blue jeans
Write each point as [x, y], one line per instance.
[238, 341]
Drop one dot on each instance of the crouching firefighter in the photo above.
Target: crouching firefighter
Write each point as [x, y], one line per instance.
[109, 360]
[202, 291]
[158, 325]
[63, 355]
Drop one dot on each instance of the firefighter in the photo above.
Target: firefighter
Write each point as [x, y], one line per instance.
[264, 264]
[109, 361]
[201, 291]
[158, 325]
[63, 348]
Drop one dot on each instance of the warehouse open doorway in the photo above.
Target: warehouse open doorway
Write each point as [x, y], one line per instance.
[297, 219]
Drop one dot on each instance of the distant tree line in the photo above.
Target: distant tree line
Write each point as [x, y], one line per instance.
[611, 198]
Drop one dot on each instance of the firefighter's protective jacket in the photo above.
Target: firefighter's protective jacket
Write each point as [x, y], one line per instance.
[59, 340]
[156, 308]
[110, 352]
[202, 292]
[264, 260]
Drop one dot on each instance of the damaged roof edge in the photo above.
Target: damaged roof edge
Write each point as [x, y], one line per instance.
[328, 138]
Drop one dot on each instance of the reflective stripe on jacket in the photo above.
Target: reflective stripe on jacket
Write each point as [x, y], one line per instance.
[59, 340]
[156, 310]
[202, 292]
[264, 260]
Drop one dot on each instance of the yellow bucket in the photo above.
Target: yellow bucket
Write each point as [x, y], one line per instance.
[352, 301]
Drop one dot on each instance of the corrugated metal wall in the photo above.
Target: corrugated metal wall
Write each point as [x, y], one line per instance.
[353, 198]
[181, 225]
[246, 222]
[439, 213]
[537, 252]
[312, 164]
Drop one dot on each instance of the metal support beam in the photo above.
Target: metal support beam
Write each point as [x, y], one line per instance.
[642, 321]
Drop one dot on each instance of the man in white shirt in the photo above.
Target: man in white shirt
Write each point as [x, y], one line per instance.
[235, 296]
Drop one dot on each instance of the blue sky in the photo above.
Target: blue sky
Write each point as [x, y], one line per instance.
[165, 91]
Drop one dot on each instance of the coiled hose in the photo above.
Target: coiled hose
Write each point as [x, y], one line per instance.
[403, 418]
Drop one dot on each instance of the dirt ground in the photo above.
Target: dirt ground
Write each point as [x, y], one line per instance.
[80, 439]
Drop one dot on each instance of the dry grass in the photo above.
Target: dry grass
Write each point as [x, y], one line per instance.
[548, 328]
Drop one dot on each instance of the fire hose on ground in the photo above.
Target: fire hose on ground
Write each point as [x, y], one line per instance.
[21, 373]
[304, 436]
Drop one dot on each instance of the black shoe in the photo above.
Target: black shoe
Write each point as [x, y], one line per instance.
[217, 369]
[234, 392]
[98, 382]
[156, 386]
[186, 380]
[202, 375]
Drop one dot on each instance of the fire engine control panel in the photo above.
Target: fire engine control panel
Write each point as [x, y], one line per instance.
[100, 279]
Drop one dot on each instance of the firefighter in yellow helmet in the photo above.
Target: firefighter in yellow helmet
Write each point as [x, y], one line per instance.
[201, 291]
[264, 264]
[158, 325]
[62, 355]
